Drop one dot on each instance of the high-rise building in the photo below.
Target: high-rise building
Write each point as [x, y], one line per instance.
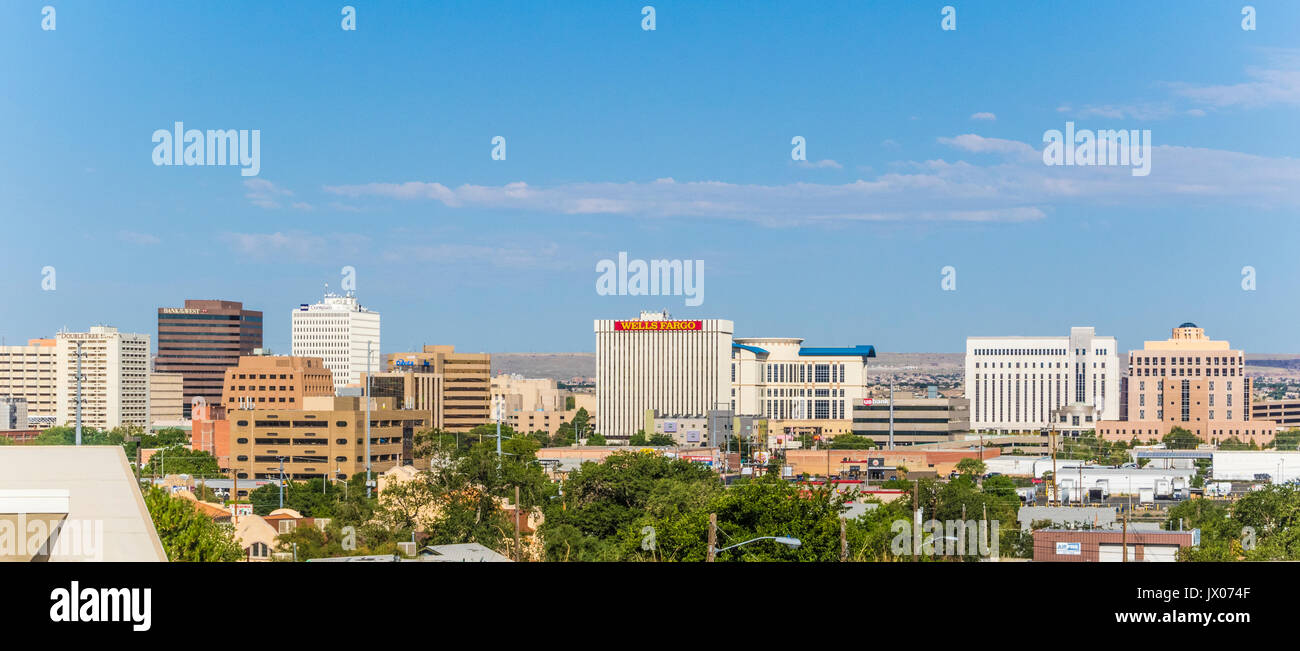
[13, 413]
[657, 363]
[1015, 383]
[465, 378]
[337, 330]
[30, 372]
[201, 340]
[1188, 381]
[275, 382]
[115, 378]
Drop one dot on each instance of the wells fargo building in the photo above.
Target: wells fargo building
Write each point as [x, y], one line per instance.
[657, 363]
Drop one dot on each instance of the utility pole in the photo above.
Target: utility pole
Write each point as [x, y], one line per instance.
[1124, 539]
[368, 344]
[713, 537]
[78, 393]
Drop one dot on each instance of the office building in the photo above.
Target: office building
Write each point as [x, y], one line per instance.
[655, 362]
[323, 437]
[201, 340]
[798, 389]
[275, 382]
[464, 400]
[916, 420]
[13, 413]
[1285, 414]
[115, 368]
[29, 372]
[166, 399]
[340, 331]
[1188, 381]
[1014, 383]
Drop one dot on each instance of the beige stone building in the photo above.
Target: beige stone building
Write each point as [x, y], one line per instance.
[29, 372]
[326, 437]
[466, 383]
[275, 382]
[166, 399]
[1188, 381]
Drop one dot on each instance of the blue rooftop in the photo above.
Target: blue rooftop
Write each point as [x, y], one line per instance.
[753, 349]
[859, 351]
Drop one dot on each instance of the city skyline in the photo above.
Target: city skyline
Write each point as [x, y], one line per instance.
[917, 160]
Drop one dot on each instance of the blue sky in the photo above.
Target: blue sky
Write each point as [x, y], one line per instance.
[375, 153]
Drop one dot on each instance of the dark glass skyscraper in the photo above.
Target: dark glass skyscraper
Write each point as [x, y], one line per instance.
[201, 340]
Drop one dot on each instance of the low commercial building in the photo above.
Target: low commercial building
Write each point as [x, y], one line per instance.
[1107, 545]
[1284, 413]
[1251, 465]
[848, 462]
[85, 496]
[915, 420]
[325, 438]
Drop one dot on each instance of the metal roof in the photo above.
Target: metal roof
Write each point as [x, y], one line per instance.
[859, 350]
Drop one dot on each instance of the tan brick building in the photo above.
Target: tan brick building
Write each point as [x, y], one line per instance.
[1188, 381]
[466, 383]
[326, 437]
[275, 382]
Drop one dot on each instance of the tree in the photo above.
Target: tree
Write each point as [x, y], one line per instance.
[582, 421]
[639, 438]
[971, 466]
[1181, 439]
[1287, 440]
[605, 500]
[850, 441]
[179, 460]
[186, 534]
[596, 438]
[662, 440]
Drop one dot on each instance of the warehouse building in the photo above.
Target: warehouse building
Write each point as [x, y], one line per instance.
[1107, 545]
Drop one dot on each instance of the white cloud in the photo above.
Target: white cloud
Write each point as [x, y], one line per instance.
[984, 115]
[265, 194]
[1015, 186]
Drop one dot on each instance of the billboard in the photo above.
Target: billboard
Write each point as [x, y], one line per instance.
[693, 436]
[659, 325]
[1069, 548]
[670, 426]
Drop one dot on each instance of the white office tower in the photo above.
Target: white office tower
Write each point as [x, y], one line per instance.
[337, 330]
[654, 362]
[1014, 383]
[115, 378]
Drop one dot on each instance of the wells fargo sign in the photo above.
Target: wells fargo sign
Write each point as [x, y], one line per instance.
[659, 325]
